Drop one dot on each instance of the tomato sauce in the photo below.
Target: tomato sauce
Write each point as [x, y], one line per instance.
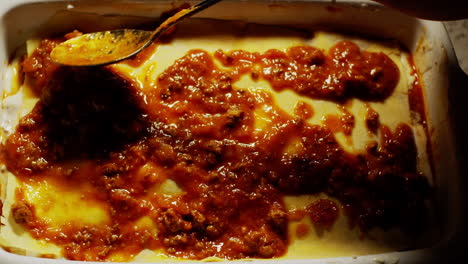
[344, 72]
[303, 110]
[39, 66]
[323, 214]
[194, 128]
[342, 123]
[372, 120]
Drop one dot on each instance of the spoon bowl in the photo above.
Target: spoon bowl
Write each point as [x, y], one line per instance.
[106, 47]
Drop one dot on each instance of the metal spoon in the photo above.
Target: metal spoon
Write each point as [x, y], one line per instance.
[106, 47]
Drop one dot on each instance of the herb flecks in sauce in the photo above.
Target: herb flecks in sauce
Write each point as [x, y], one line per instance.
[196, 129]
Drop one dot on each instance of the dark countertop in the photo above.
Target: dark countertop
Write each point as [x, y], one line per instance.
[458, 31]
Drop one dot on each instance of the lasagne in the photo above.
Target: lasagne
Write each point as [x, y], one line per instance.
[224, 140]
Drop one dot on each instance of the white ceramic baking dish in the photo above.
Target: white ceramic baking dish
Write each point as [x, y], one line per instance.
[443, 82]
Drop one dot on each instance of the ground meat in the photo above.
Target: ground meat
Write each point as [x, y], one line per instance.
[176, 240]
[278, 219]
[172, 222]
[39, 67]
[164, 152]
[323, 213]
[233, 117]
[259, 242]
[198, 219]
[372, 120]
[212, 231]
[22, 213]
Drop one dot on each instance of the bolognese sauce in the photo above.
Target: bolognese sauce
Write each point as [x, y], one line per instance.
[198, 130]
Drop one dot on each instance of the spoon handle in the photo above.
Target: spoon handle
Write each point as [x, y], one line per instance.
[180, 16]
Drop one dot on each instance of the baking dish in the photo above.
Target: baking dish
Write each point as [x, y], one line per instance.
[426, 40]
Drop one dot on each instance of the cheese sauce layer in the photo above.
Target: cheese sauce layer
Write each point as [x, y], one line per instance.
[196, 159]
